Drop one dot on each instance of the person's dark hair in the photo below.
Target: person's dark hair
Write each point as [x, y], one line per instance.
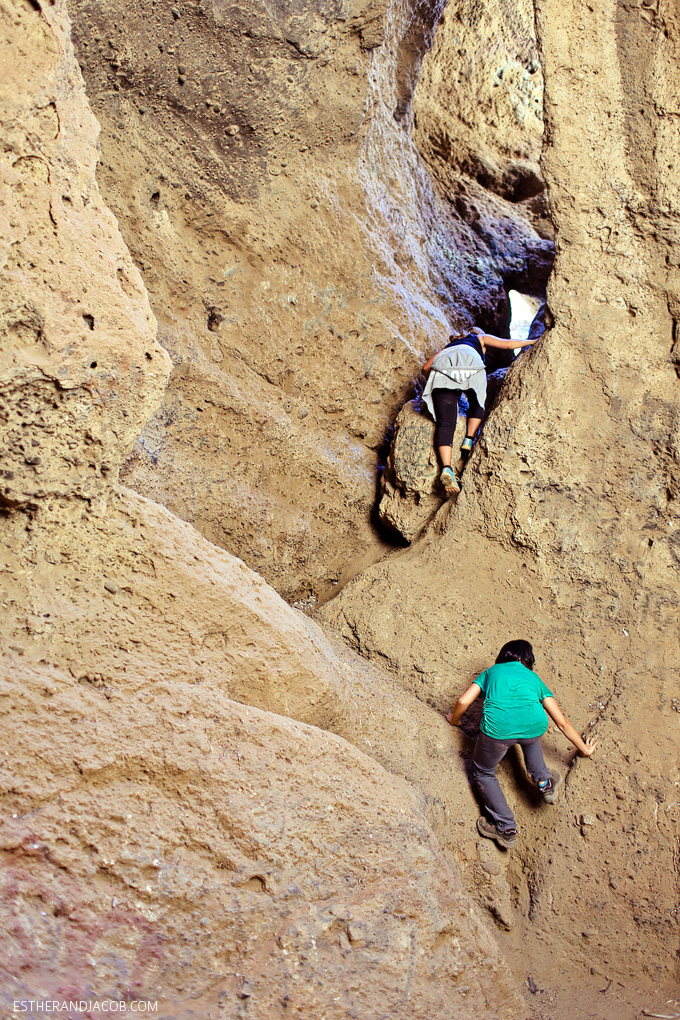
[517, 651]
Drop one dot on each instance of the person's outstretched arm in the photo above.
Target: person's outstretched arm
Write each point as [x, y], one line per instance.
[497, 341]
[584, 747]
[463, 703]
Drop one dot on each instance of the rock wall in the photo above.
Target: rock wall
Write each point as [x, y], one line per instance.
[478, 108]
[201, 869]
[194, 775]
[566, 532]
[81, 370]
[299, 263]
[159, 839]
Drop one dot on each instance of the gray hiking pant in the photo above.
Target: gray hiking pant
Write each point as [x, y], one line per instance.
[488, 753]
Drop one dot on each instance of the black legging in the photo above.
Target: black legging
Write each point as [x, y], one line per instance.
[446, 412]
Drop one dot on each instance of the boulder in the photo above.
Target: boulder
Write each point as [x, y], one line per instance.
[410, 493]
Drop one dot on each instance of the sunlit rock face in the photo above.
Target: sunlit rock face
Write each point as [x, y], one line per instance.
[566, 529]
[206, 870]
[299, 262]
[80, 369]
[160, 841]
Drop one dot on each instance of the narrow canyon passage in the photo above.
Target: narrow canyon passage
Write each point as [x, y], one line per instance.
[301, 258]
[230, 243]
[539, 545]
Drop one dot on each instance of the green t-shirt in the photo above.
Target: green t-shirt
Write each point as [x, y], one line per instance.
[512, 702]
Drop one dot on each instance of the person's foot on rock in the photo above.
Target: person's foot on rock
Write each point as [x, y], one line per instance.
[450, 481]
[507, 838]
[550, 788]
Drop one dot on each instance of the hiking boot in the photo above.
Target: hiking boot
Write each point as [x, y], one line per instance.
[467, 445]
[450, 480]
[507, 838]
[550, 788]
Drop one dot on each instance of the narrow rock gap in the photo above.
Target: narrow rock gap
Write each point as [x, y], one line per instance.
[477, 121]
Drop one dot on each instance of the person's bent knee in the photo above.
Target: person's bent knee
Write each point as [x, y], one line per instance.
[475, 409]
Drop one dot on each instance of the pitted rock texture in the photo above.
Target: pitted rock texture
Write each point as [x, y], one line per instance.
[479, 104]
[299, 263]
[80, 368]
[201, 869]
[566, 530]
[478, 123]
[160, 841]
[128, 638]
[410, 493]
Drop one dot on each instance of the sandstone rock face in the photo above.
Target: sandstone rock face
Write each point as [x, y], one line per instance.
[160, 836]
[566, 530]
[479, 103]
[160, 840]
[299, 263]
[201, 869]
[478, 122]
[81, 370]
[136, 594]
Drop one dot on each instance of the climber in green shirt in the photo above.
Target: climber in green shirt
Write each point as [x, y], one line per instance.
[517, 705]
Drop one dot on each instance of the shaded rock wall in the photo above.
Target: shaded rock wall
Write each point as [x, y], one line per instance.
[296, 256]
[478, 123]
[478, 104]
[566, 530]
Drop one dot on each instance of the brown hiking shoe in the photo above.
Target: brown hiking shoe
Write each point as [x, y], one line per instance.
[506, 839]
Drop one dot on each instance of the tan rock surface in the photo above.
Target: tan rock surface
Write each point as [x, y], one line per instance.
[167, 844]
[159, 840]
[296, 255]
[479, 104]
[128, 639]
[132, 590]
[80, 368]
[566, 529]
